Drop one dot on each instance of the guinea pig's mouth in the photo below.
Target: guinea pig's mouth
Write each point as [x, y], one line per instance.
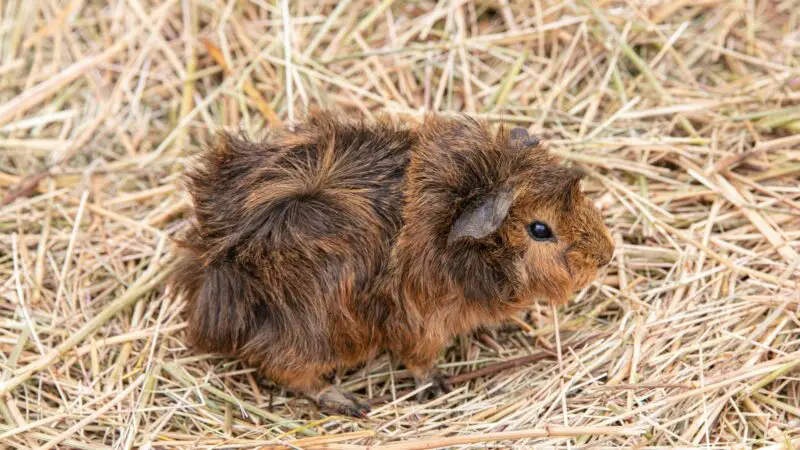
[581, 273]
[584, 279]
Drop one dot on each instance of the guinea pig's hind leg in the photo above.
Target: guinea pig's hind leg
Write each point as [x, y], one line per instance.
[333, 399]
[328, 397]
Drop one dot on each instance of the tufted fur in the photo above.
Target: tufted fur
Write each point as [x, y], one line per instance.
[322, 247]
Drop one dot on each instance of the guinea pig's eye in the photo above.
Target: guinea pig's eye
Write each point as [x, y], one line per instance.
[540, 231]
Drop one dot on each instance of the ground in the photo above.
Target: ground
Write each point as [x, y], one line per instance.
[685, 114]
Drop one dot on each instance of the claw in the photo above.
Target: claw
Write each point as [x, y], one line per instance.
[353, 410]
[342, 403]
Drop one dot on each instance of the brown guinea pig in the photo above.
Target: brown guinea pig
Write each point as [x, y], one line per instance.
[326, 245]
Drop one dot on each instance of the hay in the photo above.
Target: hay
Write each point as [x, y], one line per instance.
[684, 112]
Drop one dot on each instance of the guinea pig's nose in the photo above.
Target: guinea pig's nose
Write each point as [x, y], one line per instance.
[605, 258]
[606, 255]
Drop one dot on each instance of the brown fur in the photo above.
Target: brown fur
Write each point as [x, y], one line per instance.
[322, 247]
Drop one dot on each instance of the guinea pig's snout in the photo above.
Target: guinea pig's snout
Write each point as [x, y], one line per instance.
[604, 258]
[606, 254]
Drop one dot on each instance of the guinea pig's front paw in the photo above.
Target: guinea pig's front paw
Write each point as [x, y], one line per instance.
[338, 402]
[439, 385]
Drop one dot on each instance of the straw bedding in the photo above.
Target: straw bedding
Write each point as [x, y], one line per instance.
[685, 113]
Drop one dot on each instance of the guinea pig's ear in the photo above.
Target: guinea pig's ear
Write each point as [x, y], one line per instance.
[483, 217]
[521, 137]
[518, 134]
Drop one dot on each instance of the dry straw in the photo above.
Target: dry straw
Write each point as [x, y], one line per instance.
[686, 114]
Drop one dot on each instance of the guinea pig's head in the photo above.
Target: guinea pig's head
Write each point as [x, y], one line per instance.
[522, 228]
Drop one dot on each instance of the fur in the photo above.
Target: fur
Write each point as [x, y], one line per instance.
[321, 247]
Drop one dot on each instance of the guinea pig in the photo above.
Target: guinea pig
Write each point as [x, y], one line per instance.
[325, 245]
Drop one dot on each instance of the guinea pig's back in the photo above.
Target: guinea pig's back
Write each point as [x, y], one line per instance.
[292, 232]
[331, 184]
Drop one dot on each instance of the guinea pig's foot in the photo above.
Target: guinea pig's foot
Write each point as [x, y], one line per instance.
[362, 408]
[439, 386]
[332, 399]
